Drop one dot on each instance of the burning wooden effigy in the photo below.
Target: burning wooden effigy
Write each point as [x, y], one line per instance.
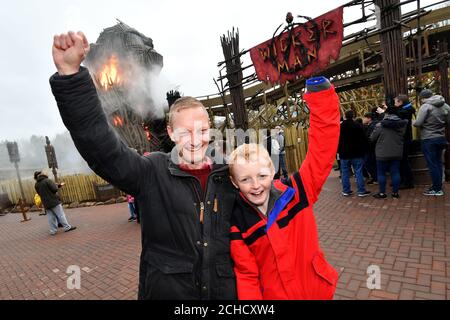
[123, 62]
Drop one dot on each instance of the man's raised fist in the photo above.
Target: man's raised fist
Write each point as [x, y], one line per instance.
[69, 50]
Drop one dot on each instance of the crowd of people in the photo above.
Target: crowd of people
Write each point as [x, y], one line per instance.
[381, 141]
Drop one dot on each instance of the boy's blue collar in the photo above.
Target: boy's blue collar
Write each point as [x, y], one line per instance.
[407, 106]
[280, 204]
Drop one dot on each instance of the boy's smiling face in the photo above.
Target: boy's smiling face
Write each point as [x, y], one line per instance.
[254, 178]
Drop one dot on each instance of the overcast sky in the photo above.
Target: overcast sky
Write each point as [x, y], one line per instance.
[186, 33]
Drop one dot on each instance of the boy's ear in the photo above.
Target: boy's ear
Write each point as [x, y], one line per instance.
[234, 182]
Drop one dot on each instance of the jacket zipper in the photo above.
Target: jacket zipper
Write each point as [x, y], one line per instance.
[202, 205]
[216, 204]
[256, 209]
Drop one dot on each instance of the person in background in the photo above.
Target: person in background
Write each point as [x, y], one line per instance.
[388, 136]
[432, 119]
[282, 153]
[37, 198]
[352, 148]
[48, 191]
[405, 111]
[130, 200]
[370, 161]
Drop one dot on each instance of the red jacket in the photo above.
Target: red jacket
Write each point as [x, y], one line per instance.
[279, 257]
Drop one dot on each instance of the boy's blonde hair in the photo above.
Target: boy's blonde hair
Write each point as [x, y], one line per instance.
[182, 104]
[247, 153]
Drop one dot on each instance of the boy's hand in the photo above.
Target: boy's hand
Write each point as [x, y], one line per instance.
[69, 50]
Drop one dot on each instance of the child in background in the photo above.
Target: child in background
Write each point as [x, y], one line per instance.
[274, 239]
[130, 200]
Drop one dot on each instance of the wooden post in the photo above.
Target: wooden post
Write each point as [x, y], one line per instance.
[24, 214]
[51, 158]
[20, 180]
[443, 71]
[392, 48]
[419, 51]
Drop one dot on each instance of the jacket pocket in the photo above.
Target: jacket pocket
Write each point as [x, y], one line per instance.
[225, 282]
[168, 277]
[324, 269]
[323, 283]
[168, 264]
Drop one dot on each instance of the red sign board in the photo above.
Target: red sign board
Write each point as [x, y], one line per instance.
[303, 49]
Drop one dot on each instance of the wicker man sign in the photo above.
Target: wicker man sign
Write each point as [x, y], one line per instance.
[300, 49]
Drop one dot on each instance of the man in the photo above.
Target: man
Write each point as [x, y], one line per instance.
[388, 136]
[282, 154]
[48, 191]
[352, 147]
[405, 111]
[185, 200]
[433, 117]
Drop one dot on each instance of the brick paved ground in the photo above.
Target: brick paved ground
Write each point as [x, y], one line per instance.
[409, 239]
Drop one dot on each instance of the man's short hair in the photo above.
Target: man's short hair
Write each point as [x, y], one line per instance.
[368, 115]
[182, 104]
[349, 114]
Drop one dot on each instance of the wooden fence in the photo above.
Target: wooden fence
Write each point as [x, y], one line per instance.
[296, 145]
[78, 187]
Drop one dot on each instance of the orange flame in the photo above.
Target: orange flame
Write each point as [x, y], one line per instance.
[147, 133]
[118, 122]
[109, 75]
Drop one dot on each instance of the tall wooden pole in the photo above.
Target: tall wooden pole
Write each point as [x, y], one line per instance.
[419, 51]
[14, 157]
[392, 48]
[443, 71]
[22, 193]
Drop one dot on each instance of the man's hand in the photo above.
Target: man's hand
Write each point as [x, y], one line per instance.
[69, 50]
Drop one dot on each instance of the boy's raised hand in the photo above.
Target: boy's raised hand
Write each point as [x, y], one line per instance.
[69, 50]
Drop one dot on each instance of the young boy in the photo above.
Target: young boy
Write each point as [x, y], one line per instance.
[274, 240]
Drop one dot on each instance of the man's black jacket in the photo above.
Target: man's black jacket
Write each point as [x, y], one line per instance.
[353, 142]
[48, 191]
[180, 258]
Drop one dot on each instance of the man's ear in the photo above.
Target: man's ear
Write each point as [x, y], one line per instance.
[171, 133]
[233, 182]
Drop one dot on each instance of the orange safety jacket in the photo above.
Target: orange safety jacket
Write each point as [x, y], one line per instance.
[278, 256]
